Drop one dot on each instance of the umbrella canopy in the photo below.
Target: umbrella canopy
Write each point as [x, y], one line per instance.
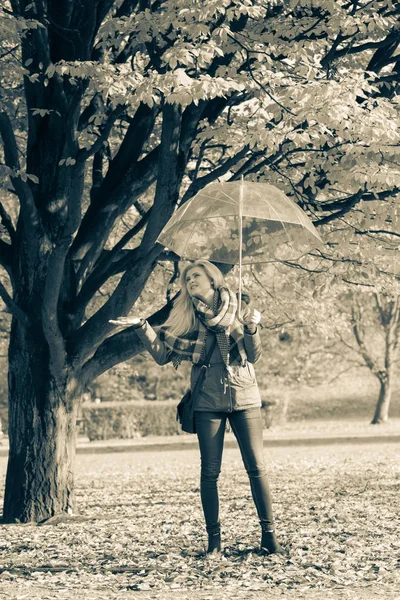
[240, 222]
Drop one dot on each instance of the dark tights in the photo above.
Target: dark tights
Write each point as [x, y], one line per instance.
[247, 427]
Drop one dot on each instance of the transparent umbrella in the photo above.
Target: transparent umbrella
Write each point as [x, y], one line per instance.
[240, 223]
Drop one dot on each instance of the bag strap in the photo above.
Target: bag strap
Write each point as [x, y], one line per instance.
[200, 378]
[204, 365]
[211, 350]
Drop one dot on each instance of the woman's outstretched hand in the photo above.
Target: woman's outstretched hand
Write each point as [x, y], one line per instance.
[253, 317]
[126, 321]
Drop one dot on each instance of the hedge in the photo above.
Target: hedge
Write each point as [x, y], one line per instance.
[128, 420]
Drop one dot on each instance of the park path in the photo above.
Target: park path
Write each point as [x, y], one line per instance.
[303, 433]
[306, 433]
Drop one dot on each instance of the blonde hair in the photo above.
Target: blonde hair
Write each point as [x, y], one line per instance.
[182, 319]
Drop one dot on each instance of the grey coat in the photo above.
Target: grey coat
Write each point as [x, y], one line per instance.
[224, 389]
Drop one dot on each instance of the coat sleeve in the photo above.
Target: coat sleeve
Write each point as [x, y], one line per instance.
[252, 344]
[153, 344]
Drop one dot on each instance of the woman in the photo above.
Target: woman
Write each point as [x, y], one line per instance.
[206, 309]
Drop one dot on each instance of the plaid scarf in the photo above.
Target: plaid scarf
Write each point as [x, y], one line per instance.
[221, 320]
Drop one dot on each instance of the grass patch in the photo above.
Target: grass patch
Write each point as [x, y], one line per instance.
[348, 398]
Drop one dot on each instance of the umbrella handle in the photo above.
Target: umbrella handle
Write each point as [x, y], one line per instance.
[239, 317]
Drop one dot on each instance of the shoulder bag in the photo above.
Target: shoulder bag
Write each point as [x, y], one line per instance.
[187, 405]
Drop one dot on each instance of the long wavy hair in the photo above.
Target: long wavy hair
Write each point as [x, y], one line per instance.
[182, 318]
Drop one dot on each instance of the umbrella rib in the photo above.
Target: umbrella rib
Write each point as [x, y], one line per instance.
[189, 238]
[209, 208]
[302, 218]
[186, 207]
[285, 229]
[230, 197]
[277, 220]
[222, 200]
[281, 197]
[299, 222]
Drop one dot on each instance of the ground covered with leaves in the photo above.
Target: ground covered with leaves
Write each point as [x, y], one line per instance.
[140, 531]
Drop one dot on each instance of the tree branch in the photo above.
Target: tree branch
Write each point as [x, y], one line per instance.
[101, 215]
[383, 54]
[83, 155]
[28, 208]
[7, 222]
[332, 55]
[200, 183]
[338, 204]
[130, 149]
[170, 172]
[119, 347]
[251, 72]
[380, 307]
[13, 307]
[96, 104]
[126, 9]
[351, 201]
[126, 179]
[361, 344]
[392, 78]
[107, 266]
[347, 345]
[84, 342]
[6, 255]
[51, 329]
[385, 231]
[343, 371]
[350, 282]
[303, 34]
[296, 265]
[10, 51]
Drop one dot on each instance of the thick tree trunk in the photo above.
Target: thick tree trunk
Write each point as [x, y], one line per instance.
[39, 481]
[382, 407]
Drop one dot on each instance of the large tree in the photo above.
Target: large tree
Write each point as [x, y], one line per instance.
[114, 109]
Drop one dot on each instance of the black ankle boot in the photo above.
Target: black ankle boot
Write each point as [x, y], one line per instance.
[214, 540]
[269, 543]
[214, 543]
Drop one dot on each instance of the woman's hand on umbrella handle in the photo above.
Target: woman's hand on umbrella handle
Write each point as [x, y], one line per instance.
[253, 317]
[126, 321]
